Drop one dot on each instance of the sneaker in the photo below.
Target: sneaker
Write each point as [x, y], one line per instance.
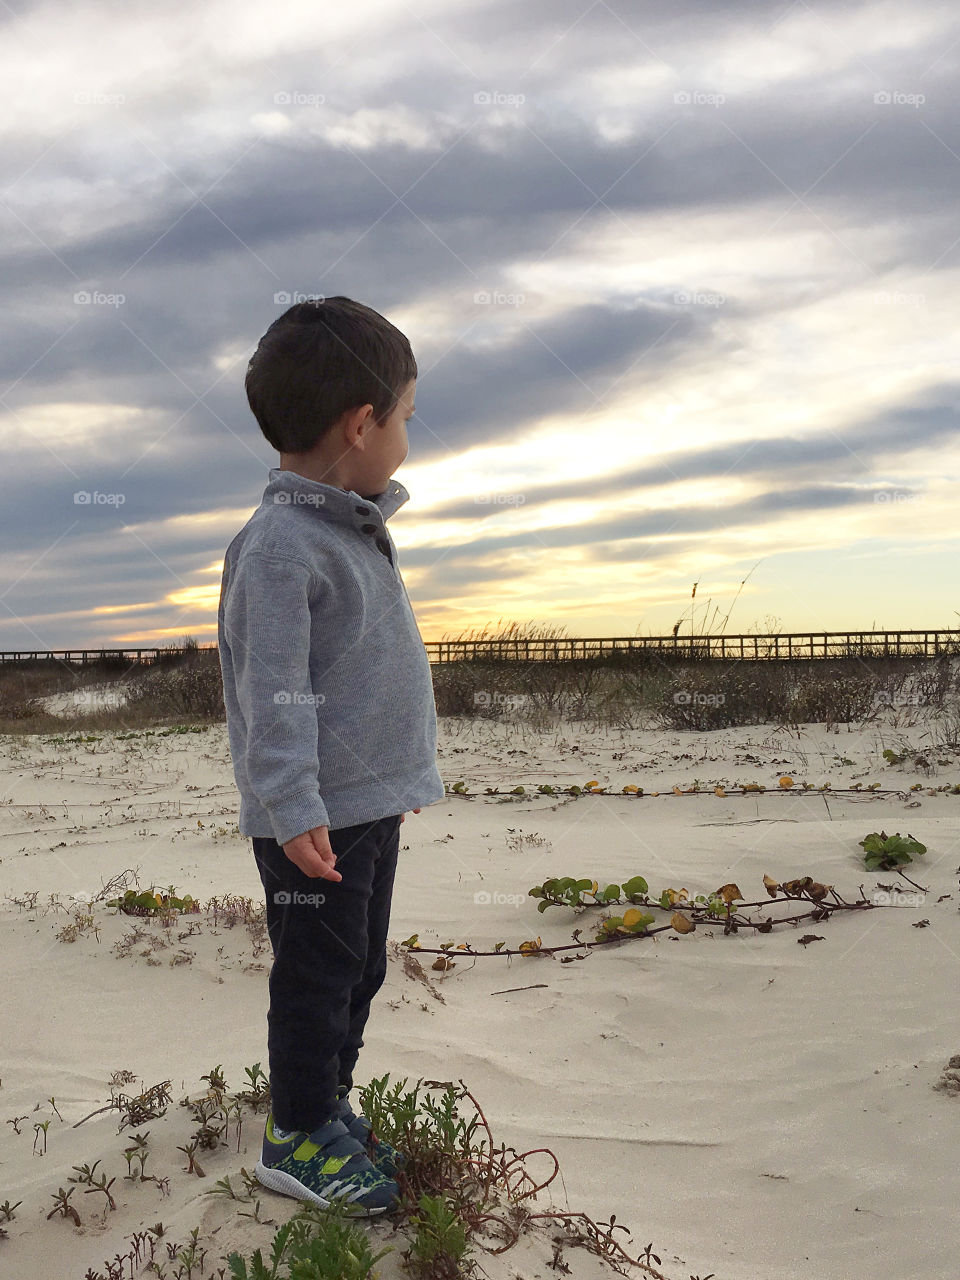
[324, 1166]
[384, 1158]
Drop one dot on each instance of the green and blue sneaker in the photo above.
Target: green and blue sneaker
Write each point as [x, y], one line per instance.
[384, 1158]
[324, 1166]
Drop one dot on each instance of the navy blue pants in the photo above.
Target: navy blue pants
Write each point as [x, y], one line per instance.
[329, 942]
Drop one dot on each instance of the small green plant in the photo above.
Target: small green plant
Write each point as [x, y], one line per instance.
[193, 1166]
[313, 1245]
[566, 891]
[258, 1095]
[85, 1177]
[150, 903]
[8, 1212]
[63, 1205]
[714, 905]
[213, 1111]
[632, 921]
[215, 1079]
[190, 1256]
[223, 1187]
[41, 1128]
[886, 853]
[138, 1154]
[149, 1105]
[441, 1246]
[439, 1143]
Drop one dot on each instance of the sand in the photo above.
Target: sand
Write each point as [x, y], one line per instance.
[754, 1107]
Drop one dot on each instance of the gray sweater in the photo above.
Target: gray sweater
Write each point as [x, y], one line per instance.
[329, 698]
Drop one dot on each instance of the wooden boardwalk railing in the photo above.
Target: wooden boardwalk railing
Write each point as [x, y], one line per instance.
[791, 646]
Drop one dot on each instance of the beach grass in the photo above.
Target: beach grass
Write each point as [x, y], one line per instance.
[642, 689]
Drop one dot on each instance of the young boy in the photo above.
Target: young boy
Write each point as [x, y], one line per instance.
[331, 721]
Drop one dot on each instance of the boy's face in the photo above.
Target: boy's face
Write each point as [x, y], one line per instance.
[385, 446]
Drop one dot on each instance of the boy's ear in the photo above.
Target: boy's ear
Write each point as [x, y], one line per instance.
[356, 422]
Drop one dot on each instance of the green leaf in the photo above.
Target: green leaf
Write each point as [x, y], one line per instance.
[611, 891]
[872, 843]
[635, 885]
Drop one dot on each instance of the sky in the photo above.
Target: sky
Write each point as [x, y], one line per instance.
[680, 281]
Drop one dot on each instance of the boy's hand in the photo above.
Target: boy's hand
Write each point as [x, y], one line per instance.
[403, 815]
[312, 853]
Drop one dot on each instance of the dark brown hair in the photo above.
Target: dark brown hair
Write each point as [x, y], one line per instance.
[317, 361]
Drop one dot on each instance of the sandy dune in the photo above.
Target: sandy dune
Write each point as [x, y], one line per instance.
[754, 1107]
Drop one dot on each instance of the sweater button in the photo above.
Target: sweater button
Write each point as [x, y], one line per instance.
[361, 511]
[369, 528]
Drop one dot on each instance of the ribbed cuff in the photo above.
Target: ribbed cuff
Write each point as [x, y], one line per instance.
[294, 815]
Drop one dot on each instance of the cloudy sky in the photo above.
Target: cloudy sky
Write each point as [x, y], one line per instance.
[681, 281]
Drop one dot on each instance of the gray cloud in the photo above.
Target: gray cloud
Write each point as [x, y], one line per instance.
[297, 211]
[849, 451]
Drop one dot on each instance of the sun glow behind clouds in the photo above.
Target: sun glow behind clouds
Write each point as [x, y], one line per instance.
[74, 428]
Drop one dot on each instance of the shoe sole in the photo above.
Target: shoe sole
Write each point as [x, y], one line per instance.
[287, 1185]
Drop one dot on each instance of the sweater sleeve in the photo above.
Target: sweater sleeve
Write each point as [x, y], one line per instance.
[267, 624]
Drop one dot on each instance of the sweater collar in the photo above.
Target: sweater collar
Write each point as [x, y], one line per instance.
[343, 506]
